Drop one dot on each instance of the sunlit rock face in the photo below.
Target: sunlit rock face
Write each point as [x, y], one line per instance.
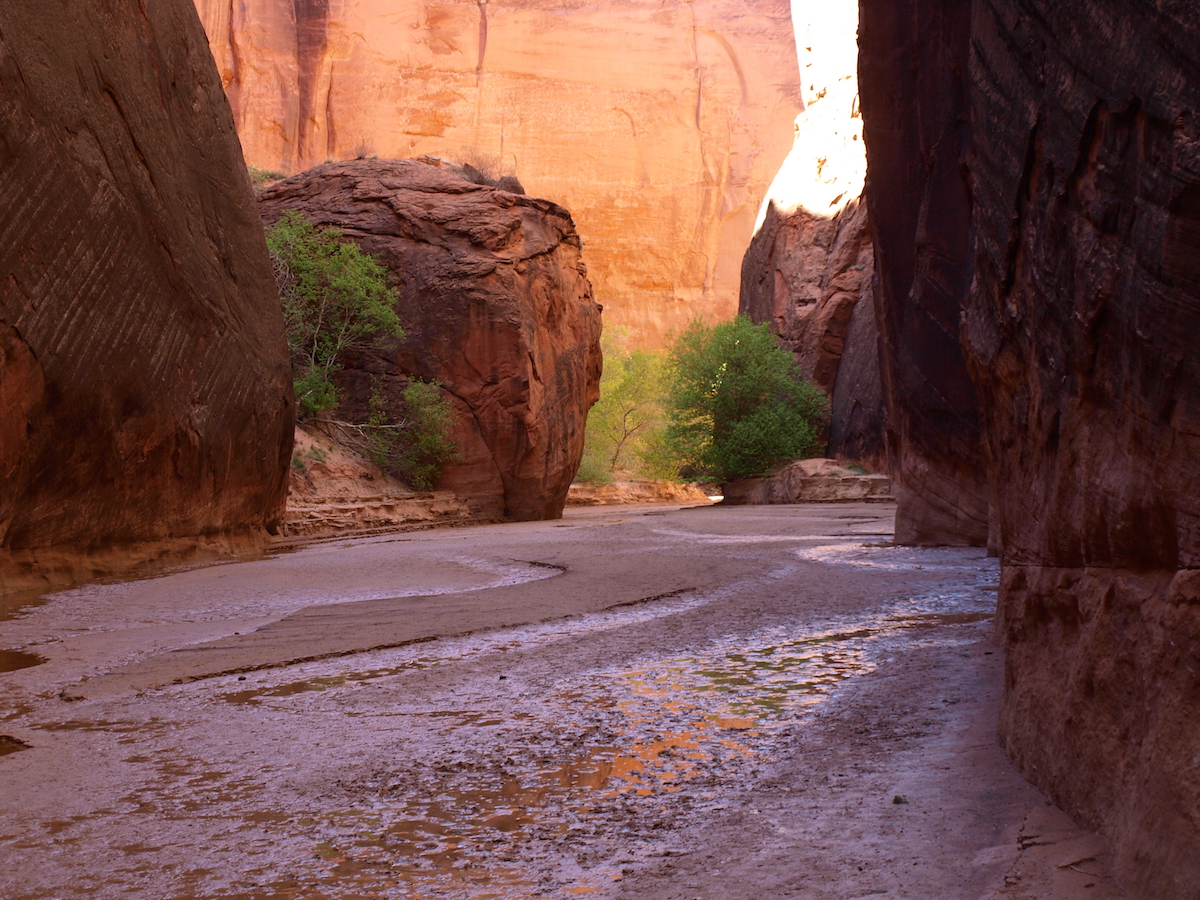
[1034, 188]
[659, 124]
[808, 270]
[145, 392]
[496, 305]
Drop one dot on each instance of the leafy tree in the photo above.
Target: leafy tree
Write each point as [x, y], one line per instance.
[737, 402]
[416, 445]
[335, 298]
[625, 427]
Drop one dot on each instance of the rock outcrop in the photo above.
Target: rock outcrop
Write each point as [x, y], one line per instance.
[658, 124]
[334, 490]
[809, 481]
[809, 268]
[1045, 155]
[496, 304]
[627, 493]
[145, 393]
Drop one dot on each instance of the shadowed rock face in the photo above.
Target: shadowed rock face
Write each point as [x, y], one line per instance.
[145, 395]
[914, 54]
[658, 123]
[1081, 332]
[496, 304]
[1064, 147]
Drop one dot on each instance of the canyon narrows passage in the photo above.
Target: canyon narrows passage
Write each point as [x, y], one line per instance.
[767, 700]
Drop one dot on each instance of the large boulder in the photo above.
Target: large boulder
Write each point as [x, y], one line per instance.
[658, 123]
[496, 304]
[145, 393]
[1043, 161]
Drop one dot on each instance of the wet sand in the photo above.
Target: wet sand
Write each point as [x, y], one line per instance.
[662, 703]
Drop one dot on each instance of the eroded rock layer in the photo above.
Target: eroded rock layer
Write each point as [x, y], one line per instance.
[496, 303]
[145, 393]
[1046, 155]
[658, 124]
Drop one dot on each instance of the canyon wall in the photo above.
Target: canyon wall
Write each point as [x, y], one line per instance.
[1045, 156]
[145, 392]
[810, 266]
[914, 56]
[658, 124]
[496, 305]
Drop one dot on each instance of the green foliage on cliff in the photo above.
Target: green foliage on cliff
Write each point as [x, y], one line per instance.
[335, 298]
[626, 426]
[737, 405]
[413, 443]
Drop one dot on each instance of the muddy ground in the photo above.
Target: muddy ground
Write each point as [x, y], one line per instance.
[651, 703]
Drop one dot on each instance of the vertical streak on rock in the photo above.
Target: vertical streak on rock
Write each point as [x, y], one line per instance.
[330, 128]
[234, 87]
[483, 38]
[710, 184]
[312, 22]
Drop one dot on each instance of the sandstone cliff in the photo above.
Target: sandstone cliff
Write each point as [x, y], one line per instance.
[1033, 191]
[495, 300]
[809, 268]
[658, 124]
[145, 395]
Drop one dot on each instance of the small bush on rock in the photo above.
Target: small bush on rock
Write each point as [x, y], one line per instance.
[737, 403]
[335, 298]
[415, 444]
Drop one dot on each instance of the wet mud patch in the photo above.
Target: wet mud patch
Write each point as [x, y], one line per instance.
[9, 744]
[14, 660]
[533, 782]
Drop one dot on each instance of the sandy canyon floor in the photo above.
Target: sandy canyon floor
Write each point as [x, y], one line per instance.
[653, 703]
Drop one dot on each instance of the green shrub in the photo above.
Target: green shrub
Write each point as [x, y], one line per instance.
[335, 298]
[737, 404]
[415, 445]
[625, 427]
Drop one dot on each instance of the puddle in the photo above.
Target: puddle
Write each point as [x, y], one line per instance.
[12, 660]
[319, 683]
[9, 744]
[18, 603]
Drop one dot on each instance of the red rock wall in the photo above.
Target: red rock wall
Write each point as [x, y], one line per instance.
[1082, 334]
[914, 54]
[1045, 154]
[495, 300]
[145, 397]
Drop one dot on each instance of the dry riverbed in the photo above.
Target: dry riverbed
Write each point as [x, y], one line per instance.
[652, 703]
